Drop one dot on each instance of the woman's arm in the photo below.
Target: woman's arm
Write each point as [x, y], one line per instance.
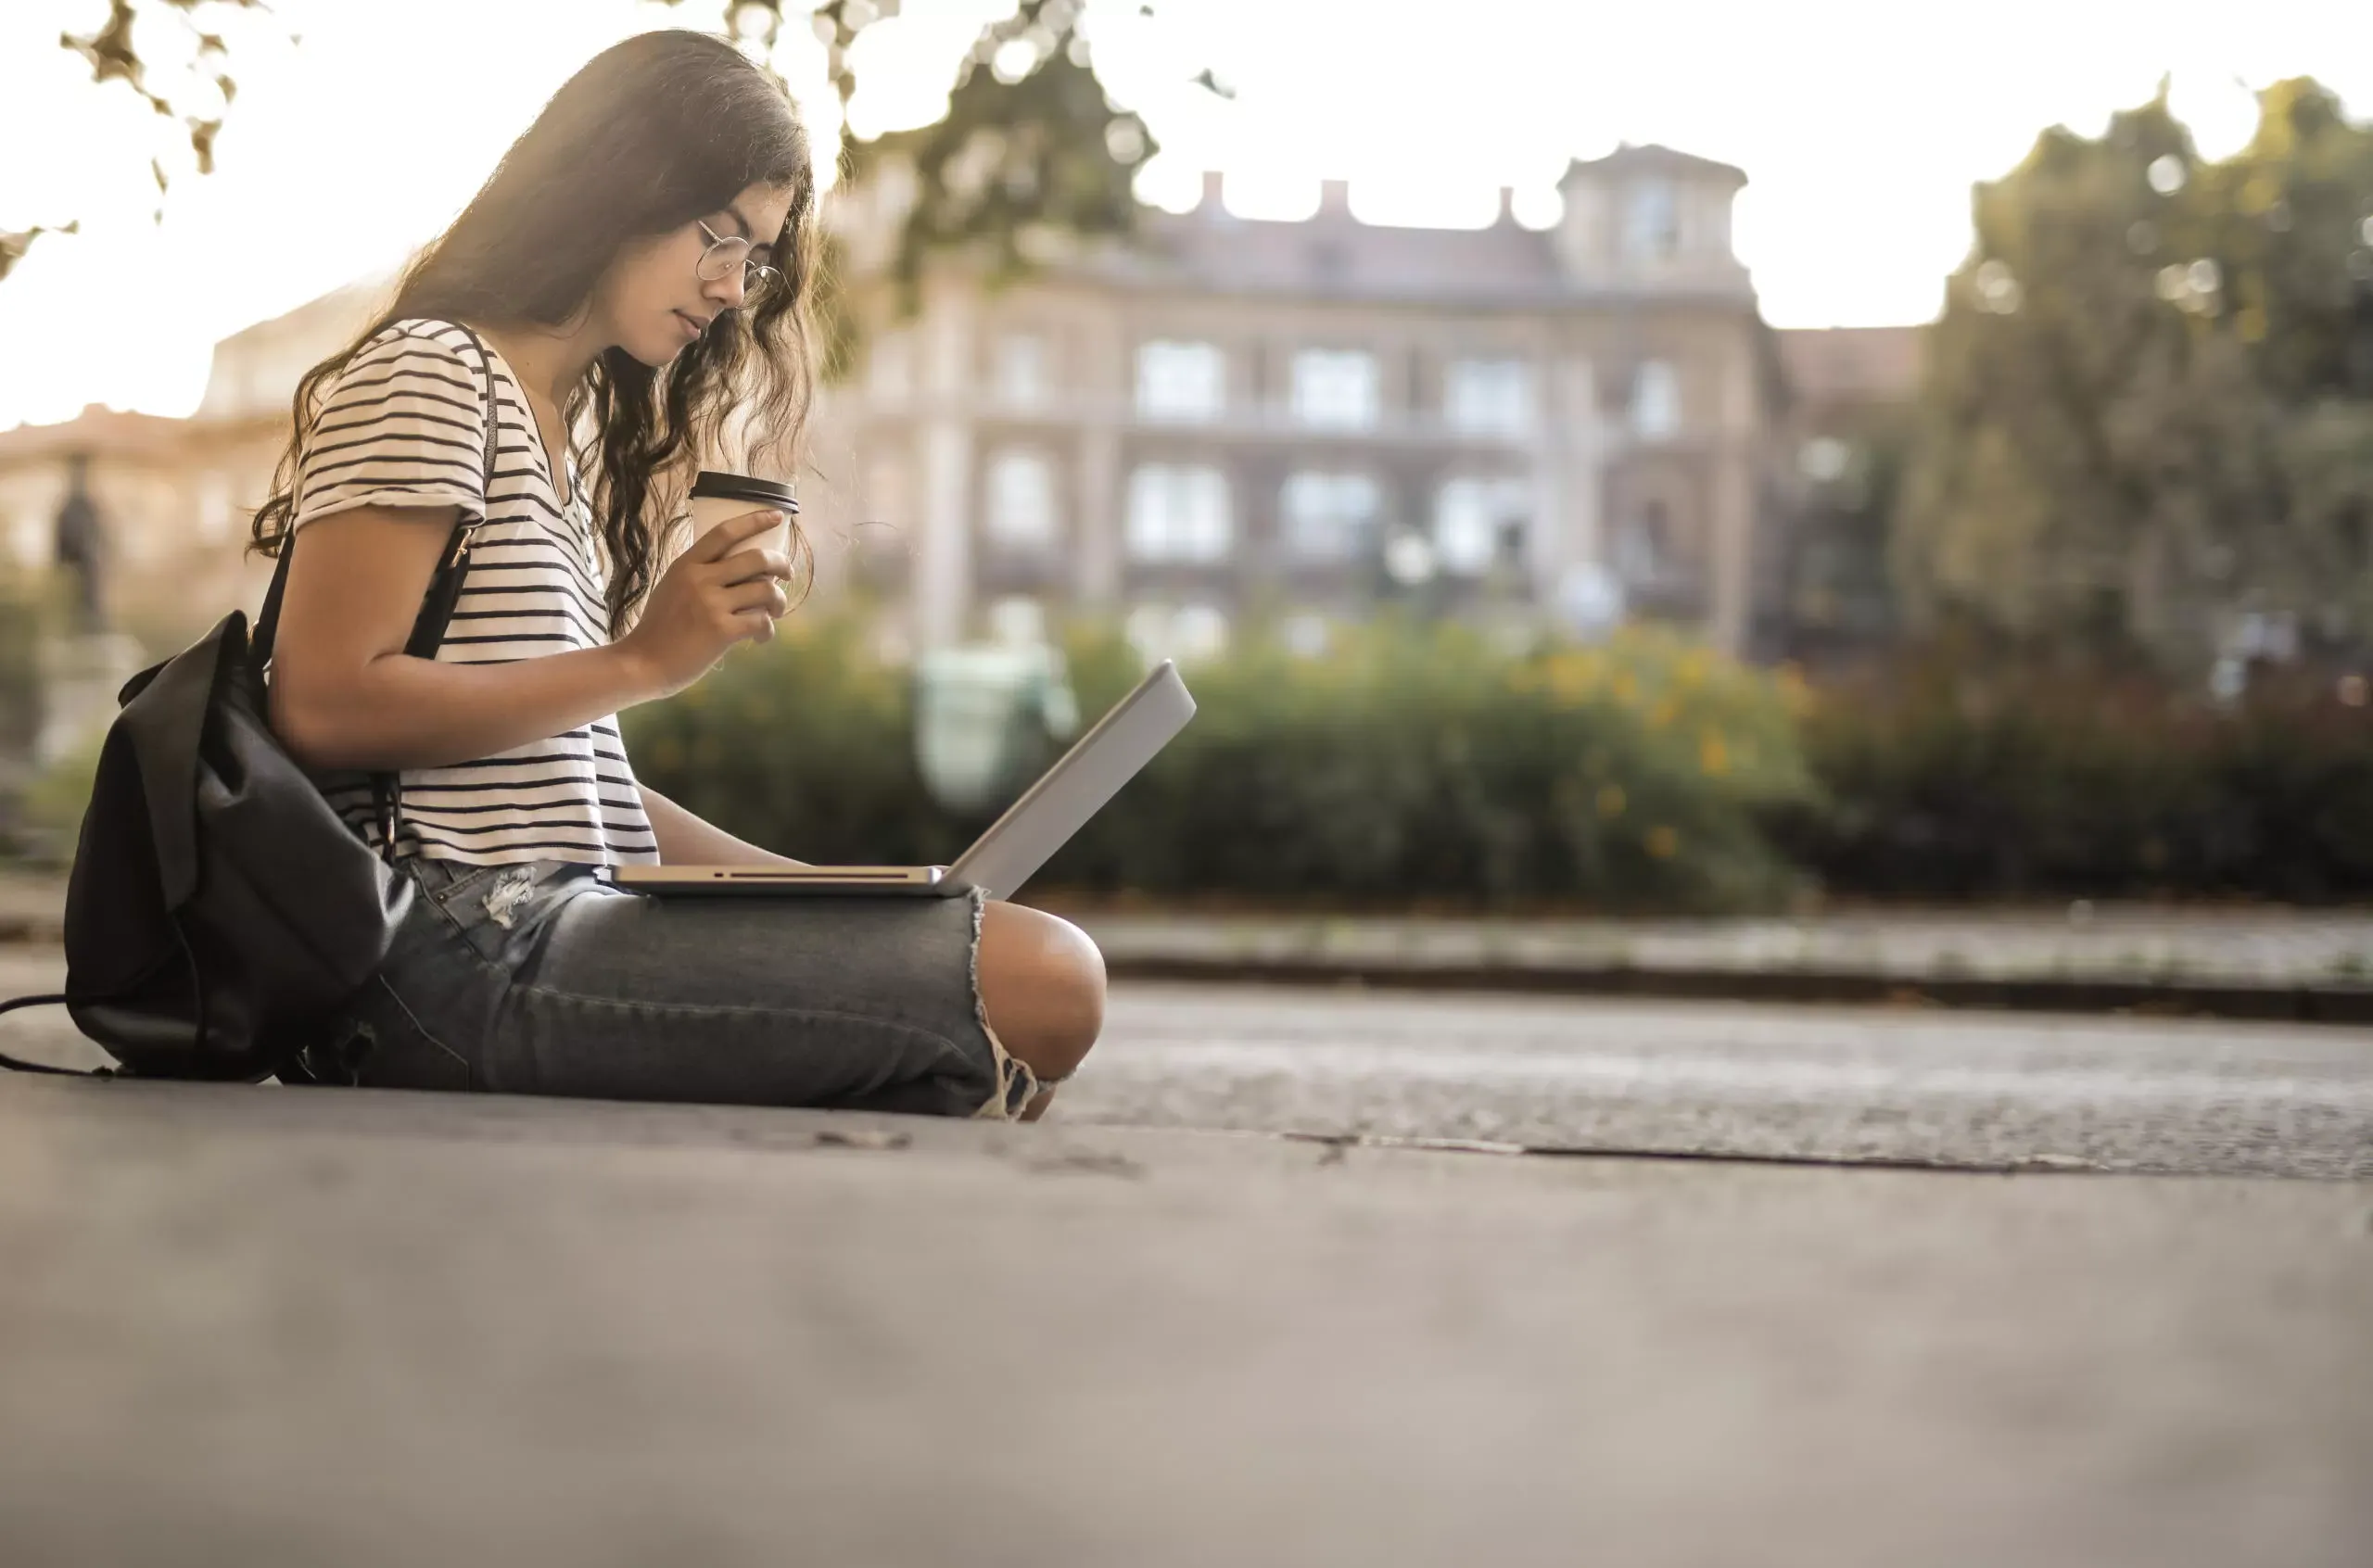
[345, 694]
[686, 839]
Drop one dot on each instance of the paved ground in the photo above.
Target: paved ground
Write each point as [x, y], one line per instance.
[1963, 1089]
[1869, 1084]
[305, 1326]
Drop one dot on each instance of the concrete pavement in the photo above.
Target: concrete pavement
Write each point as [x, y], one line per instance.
[310, 1326]
[1971, 1090]
[1871, 1085]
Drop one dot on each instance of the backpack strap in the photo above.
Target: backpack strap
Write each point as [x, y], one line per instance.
[18, 1064]
[436, 609]
[429, 626]
[444, 593]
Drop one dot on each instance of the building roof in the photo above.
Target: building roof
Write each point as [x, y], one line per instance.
[1833, 365]
[98, 431]
[1653, 158]
[352, 303]
[1336, 255]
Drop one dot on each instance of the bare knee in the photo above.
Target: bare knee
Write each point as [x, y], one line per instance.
[1042, 985]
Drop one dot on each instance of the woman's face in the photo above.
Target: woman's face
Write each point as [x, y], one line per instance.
[653, 296]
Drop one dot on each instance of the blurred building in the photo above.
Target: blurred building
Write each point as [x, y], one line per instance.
[1293, 420]
[168, 501]
[1233, 419]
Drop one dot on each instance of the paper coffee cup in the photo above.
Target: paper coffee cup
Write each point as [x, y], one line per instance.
[717, 495]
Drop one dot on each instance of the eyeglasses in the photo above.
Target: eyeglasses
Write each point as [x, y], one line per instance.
[727, 251]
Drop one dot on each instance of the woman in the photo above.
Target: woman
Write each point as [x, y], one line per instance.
[643, 248]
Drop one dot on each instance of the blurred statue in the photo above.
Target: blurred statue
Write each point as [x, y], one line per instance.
[80, 545]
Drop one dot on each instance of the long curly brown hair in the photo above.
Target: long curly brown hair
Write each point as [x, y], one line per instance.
[651, 134]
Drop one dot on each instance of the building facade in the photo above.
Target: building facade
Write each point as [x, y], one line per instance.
[173, 498]
[1241, 418]
[1229, 421]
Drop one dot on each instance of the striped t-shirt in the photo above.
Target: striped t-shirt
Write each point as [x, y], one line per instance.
[404, 424]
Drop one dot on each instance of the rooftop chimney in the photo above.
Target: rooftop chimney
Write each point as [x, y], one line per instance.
[1212, 205]
[1334, 198]
[1507, 204]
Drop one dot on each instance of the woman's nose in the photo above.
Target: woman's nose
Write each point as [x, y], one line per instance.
[730, 289]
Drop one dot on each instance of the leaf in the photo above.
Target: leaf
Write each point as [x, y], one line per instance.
[1212, 84]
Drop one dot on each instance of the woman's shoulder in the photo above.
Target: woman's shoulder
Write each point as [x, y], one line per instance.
[426, 335]
[416, 355]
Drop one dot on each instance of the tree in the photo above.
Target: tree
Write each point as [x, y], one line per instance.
[1031, 150]
[1032, 153]
[194, 99]
[2150, 393]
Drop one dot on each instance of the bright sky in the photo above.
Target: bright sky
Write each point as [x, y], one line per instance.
[1861, 123]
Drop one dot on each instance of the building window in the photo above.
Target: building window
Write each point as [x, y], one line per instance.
[1329, 517]
[1181, 381]
[1022, 500]
[1655, 402]
[881, 542]
[1824, 460]
[1020, 375]
[1477, 521]
[1642, 545]
[1178, 513]
[890, 365]
[1489, 397]
[1651, 222]
[886, 498]
[1335, 389]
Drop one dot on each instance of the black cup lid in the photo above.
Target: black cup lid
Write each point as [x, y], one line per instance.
[716, 483]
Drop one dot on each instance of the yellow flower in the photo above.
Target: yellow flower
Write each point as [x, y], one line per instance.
[1662, 714]
[1663, 843]
[1713, 756]
[1627, 688]
[1692, 668]
[1572, 677]
[1610, 801]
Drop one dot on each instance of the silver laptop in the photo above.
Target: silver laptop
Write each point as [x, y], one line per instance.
[1016, 844]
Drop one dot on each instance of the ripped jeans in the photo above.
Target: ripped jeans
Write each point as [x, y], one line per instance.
[536, 978]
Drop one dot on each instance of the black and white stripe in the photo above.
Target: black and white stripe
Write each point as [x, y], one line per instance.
[403, 424]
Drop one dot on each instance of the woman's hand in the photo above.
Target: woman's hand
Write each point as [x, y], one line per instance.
[713, 596]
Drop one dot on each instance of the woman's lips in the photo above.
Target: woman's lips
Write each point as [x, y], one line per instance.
[692, 328]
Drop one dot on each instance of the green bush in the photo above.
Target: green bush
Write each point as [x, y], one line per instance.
[1945, 781]
[803, 745]
[50, 816]
[1411, 766]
